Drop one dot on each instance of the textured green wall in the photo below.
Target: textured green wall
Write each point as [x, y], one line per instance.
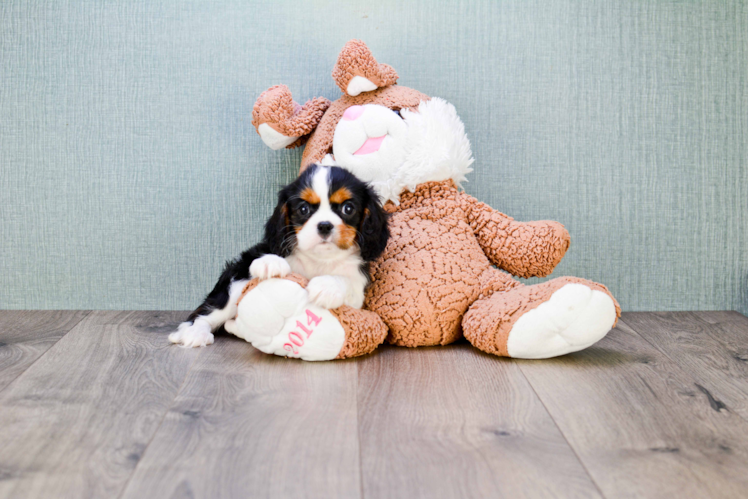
[130, 169]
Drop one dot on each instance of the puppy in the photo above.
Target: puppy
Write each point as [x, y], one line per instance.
[328, 226]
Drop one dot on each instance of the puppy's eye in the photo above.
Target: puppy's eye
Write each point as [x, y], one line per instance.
[348, 208]
[304, 209]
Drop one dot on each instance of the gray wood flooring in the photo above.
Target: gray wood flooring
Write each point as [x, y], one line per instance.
[99, 404]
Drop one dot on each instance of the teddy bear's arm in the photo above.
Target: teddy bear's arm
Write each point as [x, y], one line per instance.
[281, 122]
[524, 249]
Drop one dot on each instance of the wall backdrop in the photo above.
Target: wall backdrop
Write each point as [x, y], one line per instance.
[131, 171]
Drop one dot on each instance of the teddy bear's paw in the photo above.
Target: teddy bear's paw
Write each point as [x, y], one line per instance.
[281, 122]
[269, 266]
[572, 319]
[190, 334]
[277, 317]
[273, 139]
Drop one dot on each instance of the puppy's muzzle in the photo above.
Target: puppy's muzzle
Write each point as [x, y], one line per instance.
[325, 229]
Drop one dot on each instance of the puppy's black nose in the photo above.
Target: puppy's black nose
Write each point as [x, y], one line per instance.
[325, 228]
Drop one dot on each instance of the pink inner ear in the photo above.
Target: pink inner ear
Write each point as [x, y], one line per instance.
[353, 112]
[371, 145]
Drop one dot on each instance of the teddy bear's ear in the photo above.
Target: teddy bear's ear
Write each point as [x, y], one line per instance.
[357, 71]
[281, 122]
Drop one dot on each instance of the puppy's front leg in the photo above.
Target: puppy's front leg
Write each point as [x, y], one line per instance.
[328, 291]
[219, 307]
[269, 266]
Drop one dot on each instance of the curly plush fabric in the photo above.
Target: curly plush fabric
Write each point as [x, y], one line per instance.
[438, 262]
[320, 142]
[364, 331]
[277, 108]
[489, 321]
[356, 60]
[524, 249]
[434, 266]
[296, 278]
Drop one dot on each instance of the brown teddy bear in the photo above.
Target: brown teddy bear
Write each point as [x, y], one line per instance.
[436, 281]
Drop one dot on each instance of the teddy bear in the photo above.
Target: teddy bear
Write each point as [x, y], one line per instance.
[448, 269]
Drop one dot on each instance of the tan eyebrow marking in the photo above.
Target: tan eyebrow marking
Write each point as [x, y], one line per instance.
[341, 195]
[310, 196]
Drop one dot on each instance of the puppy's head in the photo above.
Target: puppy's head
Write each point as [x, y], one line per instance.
[328, 213]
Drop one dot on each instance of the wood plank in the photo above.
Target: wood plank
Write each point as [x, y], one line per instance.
[455, 422]
[247, 424]
[713, 317]
[76, 422]
[714, 353]
[640, 424]
[26, 335]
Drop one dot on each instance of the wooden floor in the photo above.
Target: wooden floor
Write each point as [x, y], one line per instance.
[99, 404]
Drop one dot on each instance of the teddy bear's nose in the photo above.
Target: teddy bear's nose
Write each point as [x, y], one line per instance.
[353, 112]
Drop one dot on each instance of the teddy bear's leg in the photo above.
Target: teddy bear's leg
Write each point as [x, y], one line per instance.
[549, 319]
[276, 317]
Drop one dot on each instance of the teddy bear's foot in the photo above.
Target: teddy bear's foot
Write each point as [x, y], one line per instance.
[550, 319]
[277, 317]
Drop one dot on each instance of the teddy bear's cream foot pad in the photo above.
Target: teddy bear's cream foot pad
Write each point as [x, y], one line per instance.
[359, 84]
[274, 139]
[277, 318]
[574, 318]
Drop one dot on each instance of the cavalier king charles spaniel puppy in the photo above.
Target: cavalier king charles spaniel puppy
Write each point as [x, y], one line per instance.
[328, 226]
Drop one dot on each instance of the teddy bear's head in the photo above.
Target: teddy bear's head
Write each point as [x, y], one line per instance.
[391, 136]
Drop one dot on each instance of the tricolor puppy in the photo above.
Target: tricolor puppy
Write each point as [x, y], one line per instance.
[328, 226]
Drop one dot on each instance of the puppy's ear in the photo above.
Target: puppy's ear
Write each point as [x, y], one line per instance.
[278, 227]
[373, 232]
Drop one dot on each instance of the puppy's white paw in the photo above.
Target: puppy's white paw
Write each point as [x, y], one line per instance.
[269, 266]
[196, 334]
[327, 292]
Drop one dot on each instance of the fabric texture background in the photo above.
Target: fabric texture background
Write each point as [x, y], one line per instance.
[129, 169]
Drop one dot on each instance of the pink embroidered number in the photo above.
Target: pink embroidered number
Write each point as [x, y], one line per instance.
[312, 318]
[295, 338]
[299, 341]
[303, 328]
